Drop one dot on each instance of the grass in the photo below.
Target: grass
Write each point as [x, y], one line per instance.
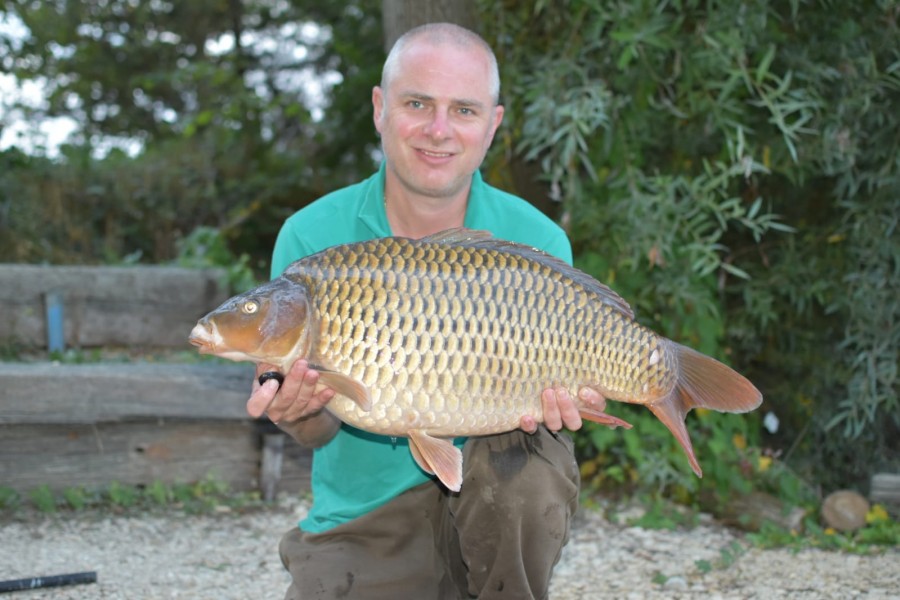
[880, 533]
[200, 497]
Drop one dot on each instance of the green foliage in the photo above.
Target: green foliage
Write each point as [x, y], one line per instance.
[76, 497]
[664, 515]
[158, 493]
[727, 557]
[733, 171]
[121, 496]
[226, 134]
[9, 499]
[202, 496]
[43, 499]
[205, 247]
[880, 533]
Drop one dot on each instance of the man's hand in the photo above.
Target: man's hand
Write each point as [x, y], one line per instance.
[296, 407]
[561, 411]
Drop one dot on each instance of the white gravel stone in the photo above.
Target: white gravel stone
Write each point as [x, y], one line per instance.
[228, 556]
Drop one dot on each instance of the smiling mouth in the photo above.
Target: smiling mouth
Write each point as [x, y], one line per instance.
[436, 154]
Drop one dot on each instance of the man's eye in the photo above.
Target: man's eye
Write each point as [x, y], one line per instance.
[415, 104]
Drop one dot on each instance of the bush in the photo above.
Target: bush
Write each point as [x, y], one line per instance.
[731, 169]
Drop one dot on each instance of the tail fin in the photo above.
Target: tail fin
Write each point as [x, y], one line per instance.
[702, 382]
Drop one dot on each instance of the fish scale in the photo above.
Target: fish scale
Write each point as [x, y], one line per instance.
[457, 334]
[482, 324]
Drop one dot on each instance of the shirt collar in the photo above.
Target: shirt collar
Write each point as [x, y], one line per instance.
[372, 213]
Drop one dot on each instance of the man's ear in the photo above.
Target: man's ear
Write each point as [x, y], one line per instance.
[498, 118]
[377, 106]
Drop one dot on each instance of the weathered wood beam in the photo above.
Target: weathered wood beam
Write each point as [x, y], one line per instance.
[97, 393]
[141, 306]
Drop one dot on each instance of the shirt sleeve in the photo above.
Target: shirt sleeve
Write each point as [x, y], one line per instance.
[559, 246]
[288, 247]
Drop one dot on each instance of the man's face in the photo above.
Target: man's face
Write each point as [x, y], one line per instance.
[436, 118]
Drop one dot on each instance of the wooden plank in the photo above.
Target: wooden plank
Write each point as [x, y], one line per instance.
[296, 467]
[97, 393]
[136, 453]
[143, 306]
[139, 453]
[885, 489]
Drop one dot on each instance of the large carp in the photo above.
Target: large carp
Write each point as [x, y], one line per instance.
[457, 334]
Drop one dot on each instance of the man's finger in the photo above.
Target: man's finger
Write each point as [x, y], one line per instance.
[552, 418]
[262, 398]
[528, 424]
[568, 410]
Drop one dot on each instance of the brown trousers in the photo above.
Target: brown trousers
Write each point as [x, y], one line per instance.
[499, 537]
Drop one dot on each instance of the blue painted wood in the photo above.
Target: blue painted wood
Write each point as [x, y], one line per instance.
[56, 338]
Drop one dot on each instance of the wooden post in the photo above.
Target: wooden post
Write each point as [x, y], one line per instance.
[885, 489]
[270, 469]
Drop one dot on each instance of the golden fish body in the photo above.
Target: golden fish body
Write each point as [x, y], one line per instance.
[457, 334]
[462, 340]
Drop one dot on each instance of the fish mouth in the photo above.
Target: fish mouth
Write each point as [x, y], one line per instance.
[201, 337]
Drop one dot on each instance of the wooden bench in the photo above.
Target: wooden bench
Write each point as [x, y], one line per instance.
[88, 425]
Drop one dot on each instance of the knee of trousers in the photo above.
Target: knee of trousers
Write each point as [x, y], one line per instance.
[517, 472]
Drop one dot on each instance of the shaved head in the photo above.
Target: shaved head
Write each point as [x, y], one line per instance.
[437, 34]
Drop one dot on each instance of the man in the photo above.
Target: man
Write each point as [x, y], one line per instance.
[379, 527]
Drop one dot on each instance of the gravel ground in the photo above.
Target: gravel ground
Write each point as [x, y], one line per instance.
[226, 556]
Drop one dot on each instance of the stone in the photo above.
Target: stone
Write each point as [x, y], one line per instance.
[845, 510]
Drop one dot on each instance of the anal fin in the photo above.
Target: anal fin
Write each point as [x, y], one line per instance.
[603, 418]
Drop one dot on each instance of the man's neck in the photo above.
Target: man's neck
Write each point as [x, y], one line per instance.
[416, 216]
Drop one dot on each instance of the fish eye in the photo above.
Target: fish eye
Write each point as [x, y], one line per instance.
[249, 307]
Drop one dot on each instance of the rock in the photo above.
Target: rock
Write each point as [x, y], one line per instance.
[676, 584]
[751, 511]
[845, 510]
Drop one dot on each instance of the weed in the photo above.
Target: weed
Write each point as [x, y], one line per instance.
[76, 497]
[727, 557]
[158, 493]
[205, 495]
[9, 498]
[662, 514]
[43, 499]
[122, 496]
[877, 534]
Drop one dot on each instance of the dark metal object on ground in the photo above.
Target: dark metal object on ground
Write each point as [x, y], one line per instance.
[33, 583]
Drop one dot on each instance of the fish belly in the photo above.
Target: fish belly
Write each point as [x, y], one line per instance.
[461, 341]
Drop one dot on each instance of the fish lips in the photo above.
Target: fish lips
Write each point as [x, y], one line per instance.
[202, 337]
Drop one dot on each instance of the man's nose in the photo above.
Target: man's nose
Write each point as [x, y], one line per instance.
[438, 125]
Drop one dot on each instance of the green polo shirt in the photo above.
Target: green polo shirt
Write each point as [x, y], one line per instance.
[356, 472]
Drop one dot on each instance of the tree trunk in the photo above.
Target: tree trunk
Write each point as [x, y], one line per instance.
[399, 16]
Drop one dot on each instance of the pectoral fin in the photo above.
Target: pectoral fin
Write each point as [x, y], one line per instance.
[437, 457]
[346, 386]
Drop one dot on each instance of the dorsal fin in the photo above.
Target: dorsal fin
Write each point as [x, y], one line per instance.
[459, 236]
[476, 238]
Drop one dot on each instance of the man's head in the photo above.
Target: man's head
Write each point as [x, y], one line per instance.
[438, 33]
[436, 109]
